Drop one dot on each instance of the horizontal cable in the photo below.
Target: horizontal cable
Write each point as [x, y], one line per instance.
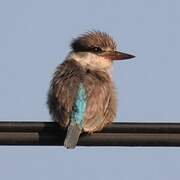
[115, 134]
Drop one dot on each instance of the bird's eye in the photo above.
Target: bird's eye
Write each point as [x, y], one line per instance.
[96, 49]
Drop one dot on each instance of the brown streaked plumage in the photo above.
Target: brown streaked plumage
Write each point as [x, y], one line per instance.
[88, 65]
[101, 101]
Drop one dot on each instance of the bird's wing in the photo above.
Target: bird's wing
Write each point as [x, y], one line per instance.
[98, 87]
[110, 107]
[63, 91]
[94, 117]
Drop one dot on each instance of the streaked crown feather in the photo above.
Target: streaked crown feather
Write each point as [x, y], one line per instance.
[93, 39]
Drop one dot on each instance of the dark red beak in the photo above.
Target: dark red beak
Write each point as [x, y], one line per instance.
[115, 55]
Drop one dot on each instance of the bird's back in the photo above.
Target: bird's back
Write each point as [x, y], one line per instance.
[100, 96]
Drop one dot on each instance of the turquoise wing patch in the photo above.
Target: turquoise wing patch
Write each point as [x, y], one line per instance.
[79, 106]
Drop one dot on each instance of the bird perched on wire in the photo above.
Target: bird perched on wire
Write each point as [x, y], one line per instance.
[81, 96]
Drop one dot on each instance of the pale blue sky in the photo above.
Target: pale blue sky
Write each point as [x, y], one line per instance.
[34, 39]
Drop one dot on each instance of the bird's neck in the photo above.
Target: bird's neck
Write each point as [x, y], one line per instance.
[91, 61]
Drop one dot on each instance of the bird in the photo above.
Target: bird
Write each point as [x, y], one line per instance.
[81, 97]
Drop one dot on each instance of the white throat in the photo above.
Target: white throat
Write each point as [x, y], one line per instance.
[91, 61]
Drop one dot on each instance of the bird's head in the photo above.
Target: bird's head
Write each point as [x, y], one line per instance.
[96, 50]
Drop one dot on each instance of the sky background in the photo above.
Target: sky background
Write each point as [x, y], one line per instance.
[34, 39]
